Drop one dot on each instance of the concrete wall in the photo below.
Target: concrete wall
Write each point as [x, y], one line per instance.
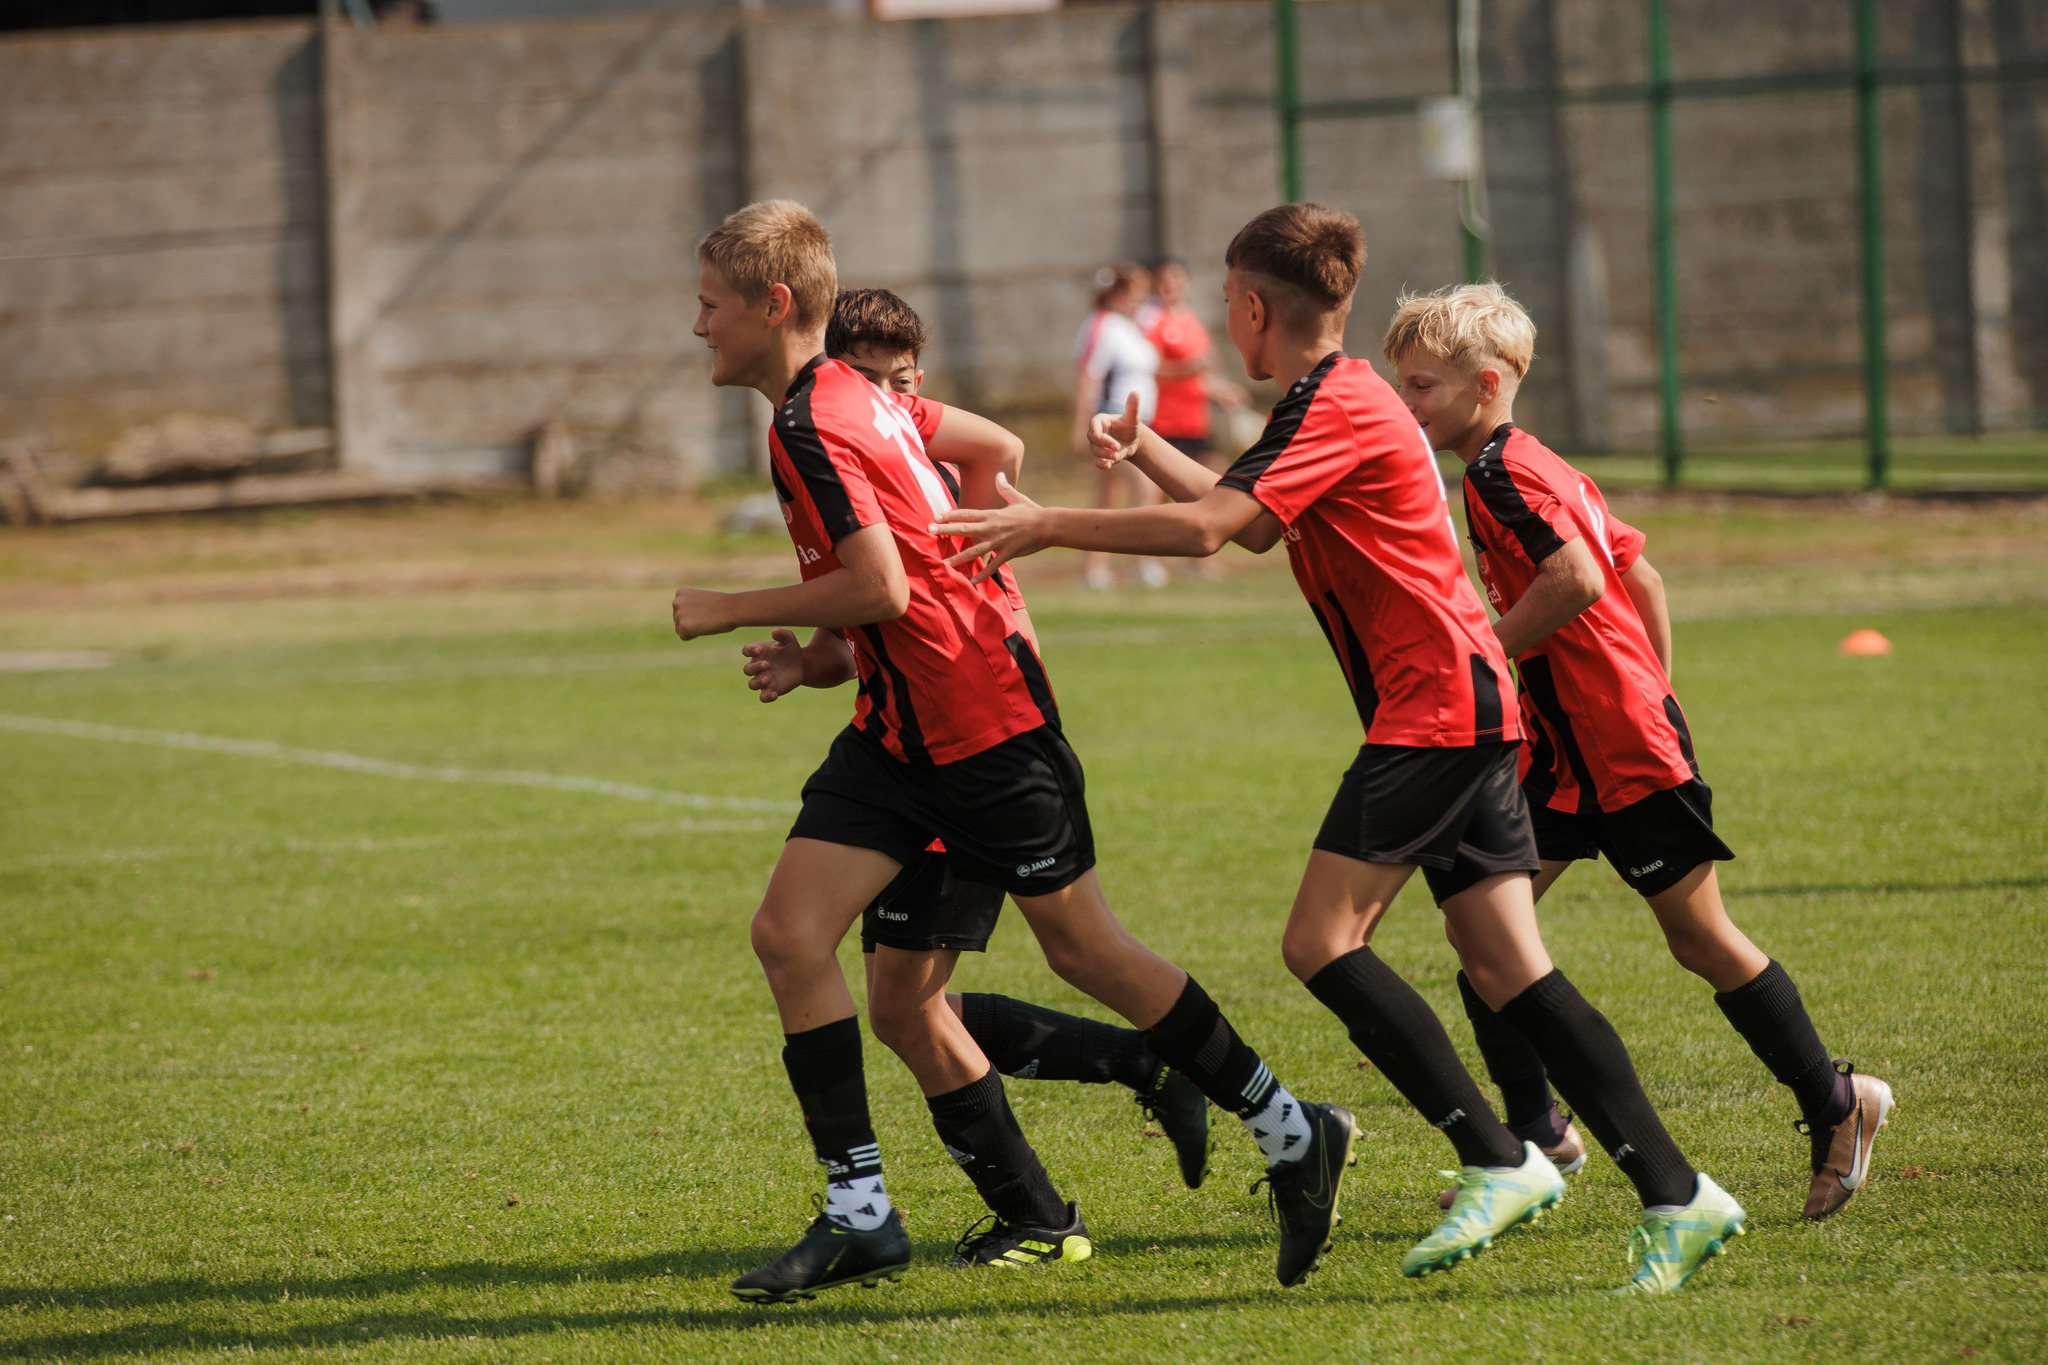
[160, 231]
[439, 240]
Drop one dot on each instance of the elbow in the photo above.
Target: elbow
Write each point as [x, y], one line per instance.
[1210, 539]
[892, 600]
[1590, 591]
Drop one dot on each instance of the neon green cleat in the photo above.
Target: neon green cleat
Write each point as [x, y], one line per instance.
[1487, 1204]
[1667, 1248]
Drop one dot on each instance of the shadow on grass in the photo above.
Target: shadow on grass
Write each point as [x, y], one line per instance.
[715, 1263]
[845, 1309]
[1886, 888]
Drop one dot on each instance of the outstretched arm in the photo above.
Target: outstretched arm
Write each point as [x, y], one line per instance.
[1114, 437]
[868, 586]
[1568, 581]
[1646, 589]
[1187, 529]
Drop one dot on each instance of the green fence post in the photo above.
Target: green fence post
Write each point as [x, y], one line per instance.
[1670, 434]
[1287, 53]
[1870, 184]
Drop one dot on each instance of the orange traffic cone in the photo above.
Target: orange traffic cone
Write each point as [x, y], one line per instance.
[1863, 644]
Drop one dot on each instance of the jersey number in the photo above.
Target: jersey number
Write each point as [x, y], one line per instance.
[895, 425]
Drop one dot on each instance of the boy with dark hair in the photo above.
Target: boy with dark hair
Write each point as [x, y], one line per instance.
[955, 736]
[1610, 768]
[882, 338]
[1343, 476]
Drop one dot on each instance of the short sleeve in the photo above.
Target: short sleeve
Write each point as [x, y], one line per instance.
[1624, 543]
[1306, 447]
[1530, 516]
[832, 470]
[924, 414]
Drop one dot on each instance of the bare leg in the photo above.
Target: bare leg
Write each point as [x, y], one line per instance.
[1090, 949]
[907, 1010]
[1700, 934]
[814, 895]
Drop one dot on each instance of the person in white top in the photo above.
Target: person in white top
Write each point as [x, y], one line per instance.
[1113, 360]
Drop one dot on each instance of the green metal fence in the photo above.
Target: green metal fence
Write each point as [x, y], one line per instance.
[2009, 464]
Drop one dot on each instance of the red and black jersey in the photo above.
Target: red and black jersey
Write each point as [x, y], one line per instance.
[1344, 467]
[1604, 729]
[952, 676]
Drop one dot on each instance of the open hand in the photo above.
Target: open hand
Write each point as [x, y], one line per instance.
[775, 666]
[699, 611]
[994, 536]
[1113, 436]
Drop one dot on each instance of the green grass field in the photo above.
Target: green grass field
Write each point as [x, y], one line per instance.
[406, 1063]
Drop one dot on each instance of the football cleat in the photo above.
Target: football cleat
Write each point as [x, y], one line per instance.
[1668, 1248]
[830, 1254]
[1181, 1110]
[1304, 1191]
[1485, 1205]
[1841, 1154]
[1568, 1153]
[1006, 1245]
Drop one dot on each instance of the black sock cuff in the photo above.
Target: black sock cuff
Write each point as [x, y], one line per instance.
[971, 1101]
[1546, 995]
[1339, 977]
[1476, 1007]
[824, 1056]
[1193, 1015]
[981, 1014]
[1771, 988]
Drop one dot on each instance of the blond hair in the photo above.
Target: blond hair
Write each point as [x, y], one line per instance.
[777, 241]
[1463, 324]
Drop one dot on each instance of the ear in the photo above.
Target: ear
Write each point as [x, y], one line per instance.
[917, 381]
[781, 304]
[1489, 384]
[1255, 310]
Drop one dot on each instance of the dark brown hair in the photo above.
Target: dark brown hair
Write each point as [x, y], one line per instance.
[873, 317]
[1316, 251]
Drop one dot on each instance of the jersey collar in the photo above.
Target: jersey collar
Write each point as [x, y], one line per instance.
[1496, 442]
[805, 377]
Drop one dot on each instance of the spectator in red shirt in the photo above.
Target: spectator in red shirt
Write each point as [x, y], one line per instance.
[1115, 363]
[1188, 381]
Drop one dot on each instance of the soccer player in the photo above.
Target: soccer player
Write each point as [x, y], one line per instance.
[882, 339]
[1610, 766]
[955, 736]
[1343, 476]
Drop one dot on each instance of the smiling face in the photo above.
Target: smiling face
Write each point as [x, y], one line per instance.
[1445, 398]
[739, 333]
[895, 371]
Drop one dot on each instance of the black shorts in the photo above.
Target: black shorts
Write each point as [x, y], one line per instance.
[928, 908]
[1012, 817]
[1654, 844]
[1194, 447]
[1458, 814]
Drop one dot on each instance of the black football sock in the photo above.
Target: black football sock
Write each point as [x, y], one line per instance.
[1196, 1040]
[1511, 1063]
[1772, 1019]
[1032, 1042]
[982, 1135]
[824, 1066]
[1591, 1068]
[1398, 1033]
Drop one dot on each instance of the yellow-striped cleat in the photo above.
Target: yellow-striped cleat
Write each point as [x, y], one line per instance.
[1485, 1205]
[1006, 1245]
[1667, 1249]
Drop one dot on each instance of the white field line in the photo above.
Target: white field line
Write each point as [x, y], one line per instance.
[368, 845]
[378, 767]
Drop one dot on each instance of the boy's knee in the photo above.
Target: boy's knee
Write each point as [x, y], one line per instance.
[1305, 951]
[893, 1022]
[775, 942]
